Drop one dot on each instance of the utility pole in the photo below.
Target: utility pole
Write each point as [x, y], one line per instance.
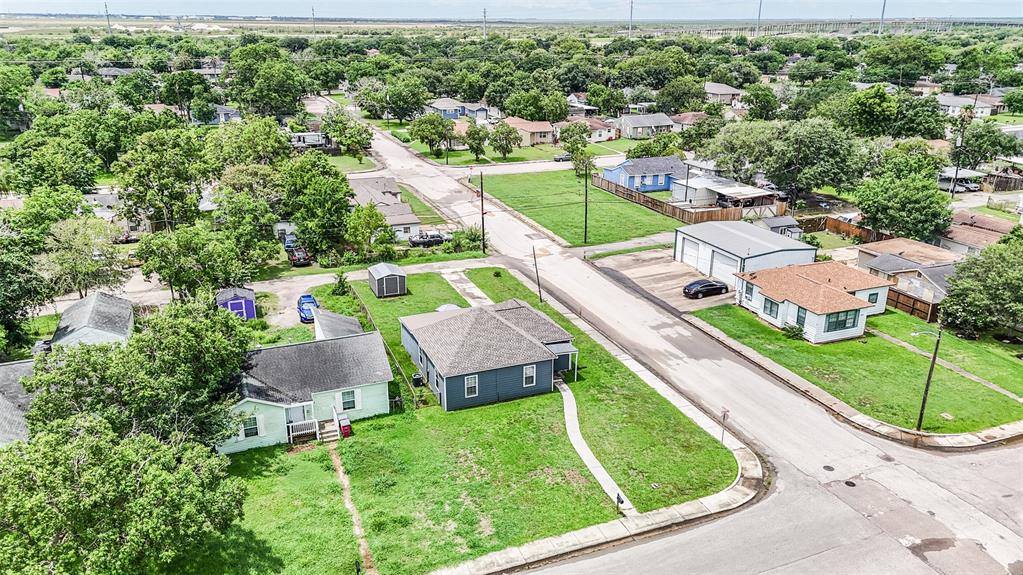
[484, 24]
[586, 202]
[880, 25]
[630, 19]
[927, 386]
[536, 270]
[107, 12]
[313, 8]
[760, 9]
[483, 219]
[966, 117]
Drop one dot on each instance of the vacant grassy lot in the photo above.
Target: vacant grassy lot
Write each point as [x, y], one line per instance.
[282, 269]
[987, 358]
[830, 241]
[656, 454]
[555, 201]
[878, 378]
[619, 146]
[106, 179]
[1008, 118]
[631, 250]
[295, 521]
[37, 328]
[341, 99]
[348, 164]
[427, 215]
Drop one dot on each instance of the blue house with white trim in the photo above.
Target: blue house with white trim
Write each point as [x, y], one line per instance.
[647, 174]
[480, 355]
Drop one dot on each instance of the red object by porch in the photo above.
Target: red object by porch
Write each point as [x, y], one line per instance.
[344, 425]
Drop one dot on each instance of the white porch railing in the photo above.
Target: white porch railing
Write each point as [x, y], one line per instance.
[303, 427]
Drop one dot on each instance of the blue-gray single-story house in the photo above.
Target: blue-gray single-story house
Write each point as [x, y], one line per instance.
[239, 301]
[647, 174]
[480, 355]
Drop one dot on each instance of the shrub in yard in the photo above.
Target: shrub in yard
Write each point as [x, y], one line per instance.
[401, 135]
[340, 286]
[792, 331]
[812, 240]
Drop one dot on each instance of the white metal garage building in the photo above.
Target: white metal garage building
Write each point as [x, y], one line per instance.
[721, 249]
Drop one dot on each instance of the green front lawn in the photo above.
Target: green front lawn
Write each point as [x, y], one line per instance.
[341, 99]
[1011, 216]
[348, 164]
[664, 196]
[1008, 118]
[874, 376]
[830, 241]
[38, 328]
[295, 521]
[657, 455]
[106, 179]
[987, 358]
[611, 147]
[464, 157]
[426, 214]
[555, 201]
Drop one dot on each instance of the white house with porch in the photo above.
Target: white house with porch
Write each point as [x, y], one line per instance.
[828, 300]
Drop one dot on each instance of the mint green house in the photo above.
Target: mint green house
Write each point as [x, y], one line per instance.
[297, 392]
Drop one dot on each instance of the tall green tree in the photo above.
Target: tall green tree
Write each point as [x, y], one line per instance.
[23, 290]
[249, 223]
[162, 177]
[181, 89]
[680, 95]
[81, 499]
[763, 104]
[352, 137]
[986, 292]
[15, 82]
[318, 200]
[81, 256]
[911, 207]
[433, 130]
[406, 97]
[983, 142]
[40, 211]
[364, 225]
[475, 138]
[504, 139]
[192, 257]
[815, 153]
[137, 89]
[251, 141]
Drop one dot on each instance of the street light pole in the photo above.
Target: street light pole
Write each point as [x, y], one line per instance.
[586, 202]
[927, 386]
[760, 9]
[483, 219]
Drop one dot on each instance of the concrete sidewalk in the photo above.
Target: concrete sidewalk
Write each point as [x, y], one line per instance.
[607, 483]
[464, 286]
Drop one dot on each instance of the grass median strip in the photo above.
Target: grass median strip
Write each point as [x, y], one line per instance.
[876, 377]
[654, 452]
[555, 201]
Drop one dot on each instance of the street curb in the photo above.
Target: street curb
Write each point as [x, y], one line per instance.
[991, 437]
[950, 442]
[747, 486]
[515, 214]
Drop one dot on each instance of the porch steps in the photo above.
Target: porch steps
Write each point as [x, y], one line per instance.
[328, 431]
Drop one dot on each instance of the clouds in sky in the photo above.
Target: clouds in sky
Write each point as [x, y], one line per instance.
[538, 9]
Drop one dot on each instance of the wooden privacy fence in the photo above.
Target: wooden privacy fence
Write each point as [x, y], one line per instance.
[912, 305]
[1001, 183]
[687, 215]
[836, 226]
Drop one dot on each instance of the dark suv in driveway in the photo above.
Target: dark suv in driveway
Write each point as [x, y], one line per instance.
[428, 239]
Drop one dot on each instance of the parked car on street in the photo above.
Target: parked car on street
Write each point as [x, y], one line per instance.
[126, 238]
[306, 303]
[563, 158]
[700, 288]
[299, 257]
[428, 239]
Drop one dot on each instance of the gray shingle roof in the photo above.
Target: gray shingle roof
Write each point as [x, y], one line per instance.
[781, 222]
[742, 239]
[658, 165]
[378, 191]
[719, 88]
[227, 294]
[14, 400]
[334, 324]
[484, 338]
[384, 269]
[645, 121]
[398, 214]
[100, 311]
[292, 373]
[891, 263]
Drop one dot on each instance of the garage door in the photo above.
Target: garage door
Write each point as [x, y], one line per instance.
[690, 251]
[722, 266]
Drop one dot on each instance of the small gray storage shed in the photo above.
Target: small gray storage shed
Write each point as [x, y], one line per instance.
[386, 279]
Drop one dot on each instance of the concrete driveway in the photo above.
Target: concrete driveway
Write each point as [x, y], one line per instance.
[655, 272]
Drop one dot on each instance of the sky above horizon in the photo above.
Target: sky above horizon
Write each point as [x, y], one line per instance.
[535, 9]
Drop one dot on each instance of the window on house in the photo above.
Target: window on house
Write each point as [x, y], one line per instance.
[841, 320]
[749, 290]
[872, 298]
[250, 427]
[529, 376]
[771, 307]
[406, 229]
[472, 385]
[348, 399]
[801, 317]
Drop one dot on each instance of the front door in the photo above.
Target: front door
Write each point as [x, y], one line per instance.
[296, 414]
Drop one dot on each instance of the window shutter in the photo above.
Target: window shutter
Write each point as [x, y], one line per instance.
[260, 428]
[339, 401]
[358, 398]
[241, 431]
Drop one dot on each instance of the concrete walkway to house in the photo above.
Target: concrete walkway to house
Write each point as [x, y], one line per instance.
[464, 286]
[946, 364]
[592, 463]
